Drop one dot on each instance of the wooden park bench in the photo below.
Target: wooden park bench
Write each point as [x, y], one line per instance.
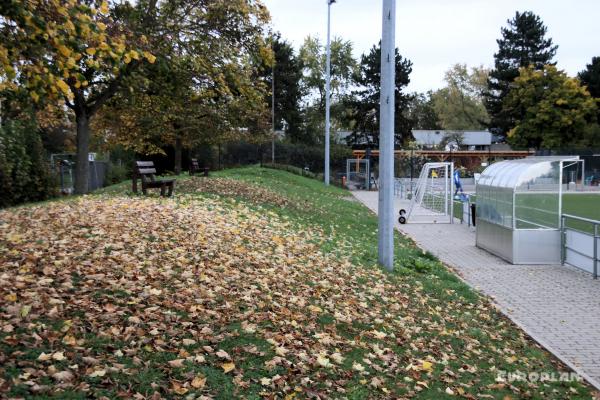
[145, 171]
[195, 167]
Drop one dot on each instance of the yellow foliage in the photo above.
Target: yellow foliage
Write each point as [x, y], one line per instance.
[62, 85]
[150, 57]
[71, 63]
[64, 50]
[69, 26]
[91, 51]
[104, 7]
[134, 54]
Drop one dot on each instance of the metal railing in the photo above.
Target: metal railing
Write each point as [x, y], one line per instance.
[404, 188]
[585, 251]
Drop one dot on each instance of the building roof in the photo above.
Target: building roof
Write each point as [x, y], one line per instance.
[435, 137]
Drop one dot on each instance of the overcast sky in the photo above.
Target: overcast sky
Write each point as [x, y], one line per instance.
[434, 34]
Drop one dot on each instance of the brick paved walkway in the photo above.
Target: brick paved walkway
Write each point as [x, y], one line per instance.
[558, 306]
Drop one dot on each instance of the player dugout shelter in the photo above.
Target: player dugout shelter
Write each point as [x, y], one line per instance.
[519, 207]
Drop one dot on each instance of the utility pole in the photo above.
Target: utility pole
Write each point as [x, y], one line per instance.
[327, 90]
[273, 113]
[386, 136]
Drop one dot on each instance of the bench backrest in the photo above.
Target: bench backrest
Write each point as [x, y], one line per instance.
[145, 169]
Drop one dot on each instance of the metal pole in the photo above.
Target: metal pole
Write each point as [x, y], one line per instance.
[560, 191]
[273, 112]
[386, 136]
[451, 194]
[563, 240]
[327, 90]
[582, 176]
[596, 238]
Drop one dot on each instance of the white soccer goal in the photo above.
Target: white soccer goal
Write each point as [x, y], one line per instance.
[432, 197]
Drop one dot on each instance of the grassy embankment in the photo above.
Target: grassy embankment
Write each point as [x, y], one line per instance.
[252, 283]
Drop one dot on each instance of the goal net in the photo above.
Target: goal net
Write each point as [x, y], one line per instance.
[432, 197]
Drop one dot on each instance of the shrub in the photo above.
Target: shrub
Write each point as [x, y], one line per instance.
[24, 171]
[116, 173]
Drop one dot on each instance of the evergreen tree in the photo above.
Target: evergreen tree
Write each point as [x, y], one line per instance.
[523, 44]
[364, 103]
[590, 77]
[288, 90]
[421, 112]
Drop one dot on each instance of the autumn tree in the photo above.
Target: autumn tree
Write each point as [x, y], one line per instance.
[459, 105]
[313, 58]
[555, 109]
[313, 61]
[364, 104]
[524, 43]
[75, 51]
[206, 87]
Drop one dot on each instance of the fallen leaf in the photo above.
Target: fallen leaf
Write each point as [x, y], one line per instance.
[337, 358]
[12, 297]
[357, 367]
[98, 373]
[63, 376]
[265, 381]
[427, 366]
[223, 354]
[199, 382]
[228, 367]
[178, 363]
[323, 361]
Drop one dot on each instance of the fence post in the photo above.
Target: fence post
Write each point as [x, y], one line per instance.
[596, 237]
[563, 240]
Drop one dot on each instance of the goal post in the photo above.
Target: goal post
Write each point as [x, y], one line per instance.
[432, 200]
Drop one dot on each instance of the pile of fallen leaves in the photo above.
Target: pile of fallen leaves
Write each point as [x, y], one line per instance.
[233, 188]
[142, 297]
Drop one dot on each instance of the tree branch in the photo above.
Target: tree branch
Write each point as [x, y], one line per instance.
[95, 102]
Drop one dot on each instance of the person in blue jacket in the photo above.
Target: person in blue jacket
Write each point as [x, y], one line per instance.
[457, 183]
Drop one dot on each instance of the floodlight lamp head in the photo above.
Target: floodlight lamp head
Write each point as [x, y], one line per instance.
[330, 2]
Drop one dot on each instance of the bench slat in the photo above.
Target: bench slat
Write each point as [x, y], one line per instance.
[147, 171]
[144, 164]
[160, 183]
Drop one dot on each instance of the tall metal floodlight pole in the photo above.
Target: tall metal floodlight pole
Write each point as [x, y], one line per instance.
[327, 90]
[273, 113]
[386, 136]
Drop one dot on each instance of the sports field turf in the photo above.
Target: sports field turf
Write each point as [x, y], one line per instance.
[536, 208]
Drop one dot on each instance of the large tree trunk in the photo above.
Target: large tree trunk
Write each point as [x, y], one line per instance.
[83, 146]
[178, 150]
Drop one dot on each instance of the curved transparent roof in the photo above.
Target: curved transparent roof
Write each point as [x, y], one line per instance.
[522, 172]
